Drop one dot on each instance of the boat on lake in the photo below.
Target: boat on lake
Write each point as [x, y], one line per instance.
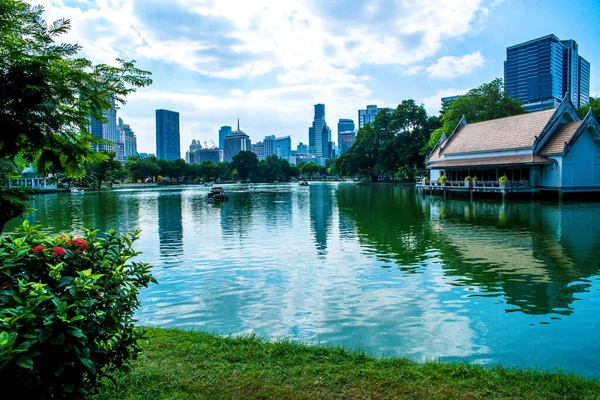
[303, 183]
[217, 194]
[77, 190]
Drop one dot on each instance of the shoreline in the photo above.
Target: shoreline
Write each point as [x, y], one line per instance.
[187, 364]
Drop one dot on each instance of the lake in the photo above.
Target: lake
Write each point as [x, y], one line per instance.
[380, 269]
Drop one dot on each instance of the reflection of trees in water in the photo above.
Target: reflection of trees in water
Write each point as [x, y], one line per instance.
[390, 221]
[321, 199]
[531, 252]
[170, 227]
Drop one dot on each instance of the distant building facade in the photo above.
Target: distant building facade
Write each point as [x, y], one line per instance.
[344, 125]
[199, 156]
[319, 134]
[129, 140]
[283, 147]
[258, 148]
[269, 146]
[367, 115]
[223, 133]
[234, 143]
[167, 135]
[540, 73]
[107, 130]
[346, 140]
[194, 146]
[146, 155]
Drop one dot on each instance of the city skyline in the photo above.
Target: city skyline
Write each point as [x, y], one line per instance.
[245, 59]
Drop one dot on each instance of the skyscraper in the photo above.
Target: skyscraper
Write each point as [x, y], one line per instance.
[234, 143]
[167, 135]
[269, 146]
[283, 147]
[319, 135]
[129, 140]
[194, 146]
[107, 130]
[344, 125]
[346, 140]
[368, 115]
[223, 133]
[540, 72]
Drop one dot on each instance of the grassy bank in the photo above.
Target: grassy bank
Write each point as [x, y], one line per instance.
[185, 365]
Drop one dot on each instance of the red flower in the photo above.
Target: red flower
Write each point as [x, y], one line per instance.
[58, 251]
[79, 242]
[37, 249]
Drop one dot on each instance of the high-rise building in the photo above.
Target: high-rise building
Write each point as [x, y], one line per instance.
[283, 147]
[107, 130]
[368, 115]
[319, 135]
[234, 143]
[302, 148]
[194, 146]
[129, 140]
[201, 155]
[344, 125]
[167, 135]
[223, 133]
[540, 73]
[269, 149]
[346, 140]
[258, 148]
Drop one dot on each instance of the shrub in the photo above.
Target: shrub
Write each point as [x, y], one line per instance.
[468, 179]
[66, 310]
[503, 179]
[442, 179]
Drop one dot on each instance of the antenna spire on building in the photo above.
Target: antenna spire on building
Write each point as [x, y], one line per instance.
[238, 124]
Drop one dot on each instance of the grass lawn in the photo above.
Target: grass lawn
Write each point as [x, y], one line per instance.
[180, 364]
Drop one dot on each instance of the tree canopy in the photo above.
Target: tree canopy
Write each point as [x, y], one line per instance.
[594, 104]
[391, 142]
[488, 101]
[48, 93]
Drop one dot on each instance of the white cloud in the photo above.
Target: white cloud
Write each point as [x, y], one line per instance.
[450, 67]
[433, 104]
[413, 70]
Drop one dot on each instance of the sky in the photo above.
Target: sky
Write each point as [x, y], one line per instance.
[267, 62]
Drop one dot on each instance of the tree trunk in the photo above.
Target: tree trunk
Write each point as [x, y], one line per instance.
[374, 178]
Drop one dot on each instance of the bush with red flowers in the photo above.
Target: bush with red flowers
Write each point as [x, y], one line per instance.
[67, 310]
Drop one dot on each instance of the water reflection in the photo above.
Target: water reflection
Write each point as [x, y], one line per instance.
[170, 227]
[321, 206]
[378, 268]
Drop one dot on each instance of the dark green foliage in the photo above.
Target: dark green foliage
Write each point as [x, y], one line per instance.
[106, 169]
[488, 101]
[594, 105]
[48, 93]
[66, 310]
[245, 163]
[194, 365]
[310, 168]
[391, 142]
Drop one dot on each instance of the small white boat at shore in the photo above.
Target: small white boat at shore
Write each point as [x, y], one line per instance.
[77, 190]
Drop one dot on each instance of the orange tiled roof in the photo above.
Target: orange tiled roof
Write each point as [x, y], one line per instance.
[507, 133]
[492, 161]
[556, 143]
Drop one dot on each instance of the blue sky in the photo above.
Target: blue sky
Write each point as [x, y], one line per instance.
[268, 62]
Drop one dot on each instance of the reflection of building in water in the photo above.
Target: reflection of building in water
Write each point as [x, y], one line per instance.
[170, 227]
[321, 200]
[532, 253]
[236, 215]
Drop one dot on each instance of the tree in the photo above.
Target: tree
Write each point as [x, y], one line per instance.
[594, 104]
[245, 163]
[310, 168]
[105, 169]
[48, 94]
[488, 101]
[142, 168]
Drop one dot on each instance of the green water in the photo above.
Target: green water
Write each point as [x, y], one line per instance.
[374, 268]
